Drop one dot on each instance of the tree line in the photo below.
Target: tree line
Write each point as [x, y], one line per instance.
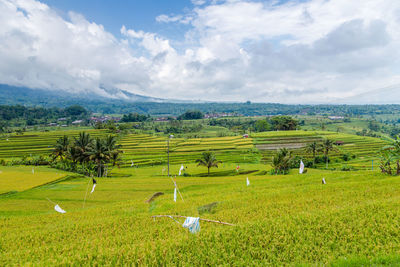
[87, 155]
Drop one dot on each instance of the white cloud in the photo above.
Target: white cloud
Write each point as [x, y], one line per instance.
[297, 52]
[166, 18]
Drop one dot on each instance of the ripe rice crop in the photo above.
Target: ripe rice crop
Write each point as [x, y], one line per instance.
[280, 220]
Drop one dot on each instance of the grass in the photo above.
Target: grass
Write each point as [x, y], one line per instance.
[280, 220]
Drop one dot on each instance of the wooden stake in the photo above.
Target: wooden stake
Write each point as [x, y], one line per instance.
[180, 216]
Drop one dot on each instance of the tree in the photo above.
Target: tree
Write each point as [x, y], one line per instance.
[73, 154]
[327, 146]
[281, 161]
[113, 149]
[391, 153]
[386, 161]
[134, 117]
[191, 115]
[75, 110]
[99, 154]
[313, 147]
[208, 160]
[82, 144]
[61, 148]
[262, 126]
[283, 123]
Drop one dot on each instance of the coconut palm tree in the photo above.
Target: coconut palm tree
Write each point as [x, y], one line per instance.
[208, 160]
[313, 147]
[113, 149]
[83, 144]
[327, 146]
[281, 161]
[386, 159]
[98, 153]
[61, 148]
[73, 154]
[392, 152]
[111, 143]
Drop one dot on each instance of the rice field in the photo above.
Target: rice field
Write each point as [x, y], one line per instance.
[365, 149]
[144, 149]
[36, 143]
[280, 220]
[152, 150]
[290, 220]
[21, 178]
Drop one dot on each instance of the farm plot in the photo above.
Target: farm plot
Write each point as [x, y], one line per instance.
[35, 143]
[363, 149]
[290, 220]
[152, 150]
[22, 178]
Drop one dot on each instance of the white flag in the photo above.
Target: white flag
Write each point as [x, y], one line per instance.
[181, 169]
[94, 185]
[58, 209]
[33, 171]
[323, 181]
[132, 163]
[193, 224]
[301, 170]
[175, 194]
[247, 181]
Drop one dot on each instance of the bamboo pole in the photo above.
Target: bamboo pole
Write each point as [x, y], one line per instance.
[180, 216]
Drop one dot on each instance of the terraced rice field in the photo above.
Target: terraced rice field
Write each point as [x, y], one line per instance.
[143, 149]
[140, 148]
[289, 220]
[35, 143]
[364, 148]
[21, 178]
[152, 150]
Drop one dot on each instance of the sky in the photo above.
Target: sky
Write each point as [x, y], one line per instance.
[303, 52]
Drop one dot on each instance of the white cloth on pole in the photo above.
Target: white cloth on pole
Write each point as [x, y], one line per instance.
[181, 169]
[58, 209]
[323, 181]
[247, 181]
[94, 185]
[132, 163]
[301, 170]
[193, 224]
[33, 171]
[175, 194]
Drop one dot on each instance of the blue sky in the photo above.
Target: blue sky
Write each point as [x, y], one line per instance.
[138, 14]
[313, 51]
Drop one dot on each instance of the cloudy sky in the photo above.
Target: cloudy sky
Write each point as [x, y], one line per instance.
[315, 51]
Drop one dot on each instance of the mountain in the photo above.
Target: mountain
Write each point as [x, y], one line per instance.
[379, 96]
[11, 95]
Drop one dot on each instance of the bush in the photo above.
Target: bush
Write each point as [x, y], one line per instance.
[346, 168]
[321, 159]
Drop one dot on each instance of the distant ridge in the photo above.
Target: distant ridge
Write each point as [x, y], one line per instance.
[11, 95]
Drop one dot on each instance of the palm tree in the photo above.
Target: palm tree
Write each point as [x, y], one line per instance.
[73, 154]
[313, 147]
[392, 152]
[281, 161]
[61, 148]
[111, 143]
[82, 145]
[386, 160]
[99, 153]
[208, 160]
[327, 145]
[113, 149]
